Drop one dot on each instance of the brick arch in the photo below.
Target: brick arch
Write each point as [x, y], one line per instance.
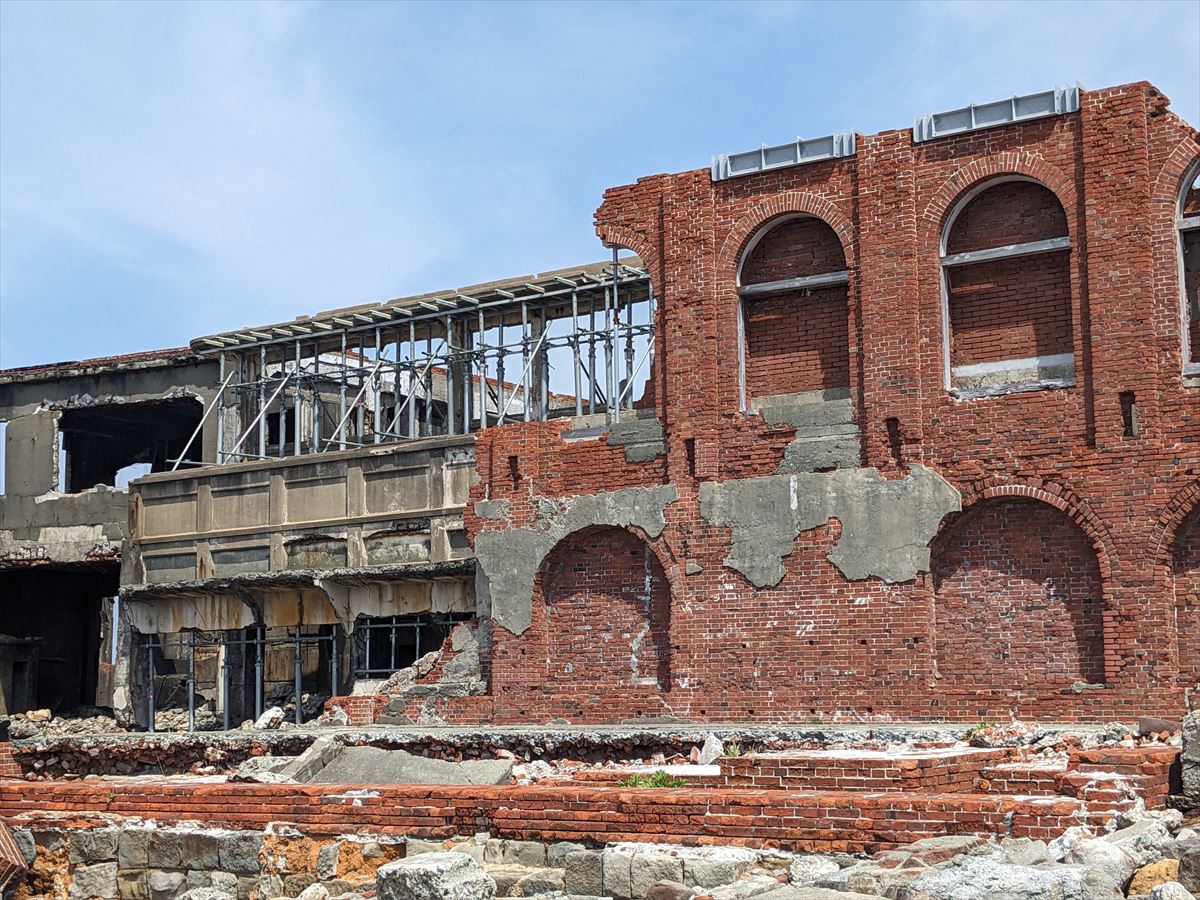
[1179, 164]
[981, 170]
[606, 604]
[628, 239]
[1179, 508]
[1018, 597]
[789, 203]
[1184, 562]
[1062, 498]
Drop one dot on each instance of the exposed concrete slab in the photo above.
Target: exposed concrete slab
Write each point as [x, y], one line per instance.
[643, 439]
[508, 559]
[886, 525]
[374, 765]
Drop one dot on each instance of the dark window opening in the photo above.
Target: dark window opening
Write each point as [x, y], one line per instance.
[385, 644]
[50, 640]
[112, 444]
[289, 427]
[1129, 413]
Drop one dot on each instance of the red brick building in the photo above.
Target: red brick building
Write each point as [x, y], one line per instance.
[994, 303]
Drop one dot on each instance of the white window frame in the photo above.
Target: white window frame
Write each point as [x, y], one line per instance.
[1184, 225]
[767, 288]
[948, 261]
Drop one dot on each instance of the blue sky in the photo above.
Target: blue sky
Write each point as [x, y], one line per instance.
[169, 170]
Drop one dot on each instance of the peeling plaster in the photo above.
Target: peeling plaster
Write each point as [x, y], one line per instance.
[508, 559]
[886, 525]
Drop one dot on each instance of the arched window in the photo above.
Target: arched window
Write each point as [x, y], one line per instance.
[1189, 268]
[1006, 288]
[793, 312]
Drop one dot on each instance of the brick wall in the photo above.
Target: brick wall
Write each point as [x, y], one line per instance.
[794, 249]
[828, 821]
[817, 644]
[1010, 309]
[1011, 212]
[9, 767]
[847, 770]
[597, 637]
[1018, 601]
[797, 343]
[1013, 308]
[1186, 573]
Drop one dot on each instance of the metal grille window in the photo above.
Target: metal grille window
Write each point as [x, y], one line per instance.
[384, 644]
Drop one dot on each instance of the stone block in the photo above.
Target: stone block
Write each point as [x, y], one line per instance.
[327, 861]
[98, 880]
[616, 874]
[23, 838]
[1172, 890]
[225, 882]
[541, 881]
[93, 845]
[524, 853]
[295, 884]
[238, 852]
[198, 878]
[164, 885]
[131, 885]
[1147, 878]
[669, 890]
[165, 850]
[1104, 856]
[1189, 867]
[270, 885]
[199, 851]
[434, 876]
[1144, 841]
[647, 869]
[556, 853]
[133, 849]
[584, 872]
[811, 868]
[245, 885]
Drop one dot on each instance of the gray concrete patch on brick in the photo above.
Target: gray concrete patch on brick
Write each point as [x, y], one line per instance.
[508, 559]
[643, 439]
[886, 524]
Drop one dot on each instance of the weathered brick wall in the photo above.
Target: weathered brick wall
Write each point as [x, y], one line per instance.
[1186, 572]
[600, 633]
[1010, 309]
[9, 767]
[797, 343]
[818, 645]
[1018, 602]
[831, 821]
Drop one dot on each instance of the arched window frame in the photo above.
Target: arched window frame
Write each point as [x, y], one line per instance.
[1183, 225]
[767, 288]
[949, 261]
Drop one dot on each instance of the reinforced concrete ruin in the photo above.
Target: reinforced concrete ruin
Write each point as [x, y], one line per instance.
[867, 428]
[675, 575]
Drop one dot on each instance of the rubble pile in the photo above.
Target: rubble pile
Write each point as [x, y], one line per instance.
[1141, 856]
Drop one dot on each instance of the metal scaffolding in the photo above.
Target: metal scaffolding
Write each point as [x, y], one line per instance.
[570, 343]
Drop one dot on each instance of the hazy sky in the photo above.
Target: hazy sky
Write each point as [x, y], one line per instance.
[169, 170]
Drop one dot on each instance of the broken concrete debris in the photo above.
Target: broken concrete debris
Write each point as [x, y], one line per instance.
[374, 765]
